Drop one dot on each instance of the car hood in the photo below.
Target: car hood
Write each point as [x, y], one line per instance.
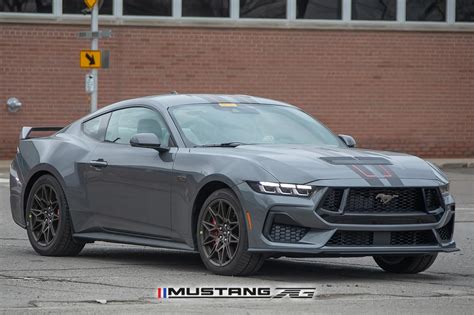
[304, 164]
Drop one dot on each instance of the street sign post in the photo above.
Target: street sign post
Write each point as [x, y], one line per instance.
[94, 46]
[99, 34]
[91, 59]
[89, 83]
[90, 3]
[94, 58]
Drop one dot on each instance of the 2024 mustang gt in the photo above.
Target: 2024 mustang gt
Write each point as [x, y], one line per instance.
[236, 178]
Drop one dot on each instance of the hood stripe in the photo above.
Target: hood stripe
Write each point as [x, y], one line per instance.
[390, 175]
[377, 175]
[367, 175]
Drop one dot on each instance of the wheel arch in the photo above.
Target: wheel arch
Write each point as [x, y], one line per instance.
[209, 186]
[35, 173]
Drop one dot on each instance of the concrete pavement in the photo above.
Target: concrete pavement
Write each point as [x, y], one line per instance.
[123, 279]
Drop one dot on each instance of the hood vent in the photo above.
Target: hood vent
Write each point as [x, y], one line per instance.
[362, 160]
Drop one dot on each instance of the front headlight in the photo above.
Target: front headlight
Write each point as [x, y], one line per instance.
[282, 189]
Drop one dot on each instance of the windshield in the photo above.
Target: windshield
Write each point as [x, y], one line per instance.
[208, 124]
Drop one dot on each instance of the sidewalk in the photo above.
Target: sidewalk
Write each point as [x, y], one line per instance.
[453, 163]
[442, 163]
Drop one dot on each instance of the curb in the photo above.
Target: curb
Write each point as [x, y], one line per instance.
[453, 163]
[458, 165]
[5, 164]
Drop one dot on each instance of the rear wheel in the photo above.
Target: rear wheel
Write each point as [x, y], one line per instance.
[405, 264]
[222, 236]
[48, 223]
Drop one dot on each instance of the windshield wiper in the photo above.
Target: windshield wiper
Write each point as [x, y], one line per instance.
[220, 145]
[112, 141]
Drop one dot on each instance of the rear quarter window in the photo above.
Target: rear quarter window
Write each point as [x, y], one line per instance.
[94, 127]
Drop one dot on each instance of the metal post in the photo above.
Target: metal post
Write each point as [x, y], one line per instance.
[95, 46]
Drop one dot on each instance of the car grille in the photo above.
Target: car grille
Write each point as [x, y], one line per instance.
[332, 200]
[431, 199]
[368, 200]
[397, 238]
[412, 238]
[446, 232]
[284, 233]
[351, 238]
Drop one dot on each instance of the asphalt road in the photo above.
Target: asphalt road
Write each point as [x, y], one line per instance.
[119, 278]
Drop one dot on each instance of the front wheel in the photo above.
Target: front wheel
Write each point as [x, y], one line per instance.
[405, 264]
[48, 223]
[222, 236]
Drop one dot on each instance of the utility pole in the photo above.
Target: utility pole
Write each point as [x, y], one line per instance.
[95, 46]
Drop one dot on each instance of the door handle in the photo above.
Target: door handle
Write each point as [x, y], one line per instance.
[100, 163]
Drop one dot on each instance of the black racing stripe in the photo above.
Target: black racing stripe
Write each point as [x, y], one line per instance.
[363, 172]
[355, 160]
[390, 175]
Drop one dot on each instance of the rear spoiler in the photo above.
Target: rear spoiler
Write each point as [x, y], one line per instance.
[25, 131]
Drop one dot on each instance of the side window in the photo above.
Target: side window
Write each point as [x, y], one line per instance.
[127, 122]
[93, 129]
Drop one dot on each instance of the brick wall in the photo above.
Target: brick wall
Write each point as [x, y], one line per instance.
[394, 90]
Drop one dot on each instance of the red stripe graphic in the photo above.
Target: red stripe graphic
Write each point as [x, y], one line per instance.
[386, 172]
[368, 175]
[158, 295]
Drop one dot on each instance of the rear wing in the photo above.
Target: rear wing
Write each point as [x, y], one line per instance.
[26, 131]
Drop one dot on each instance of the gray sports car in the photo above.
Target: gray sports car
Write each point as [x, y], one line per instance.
[236, 178]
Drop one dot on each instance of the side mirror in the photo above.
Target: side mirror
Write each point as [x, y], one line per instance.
[147, 140]
[348, 140]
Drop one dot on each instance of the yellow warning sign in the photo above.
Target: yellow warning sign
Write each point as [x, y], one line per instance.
[90, 3]
[91, 59]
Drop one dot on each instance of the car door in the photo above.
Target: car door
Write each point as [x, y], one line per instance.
[129, 187]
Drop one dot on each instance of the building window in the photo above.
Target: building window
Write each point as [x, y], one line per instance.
[263, 9]
[206, 8]
[374, 10]
[465, 10]
[426, 10]
[77, 7]
[319, 9]
[147, 7]
[26, 6]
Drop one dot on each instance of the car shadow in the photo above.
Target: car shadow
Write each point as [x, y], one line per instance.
[283, 269]
[301, 271]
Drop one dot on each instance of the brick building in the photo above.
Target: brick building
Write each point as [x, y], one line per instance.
[395, 74]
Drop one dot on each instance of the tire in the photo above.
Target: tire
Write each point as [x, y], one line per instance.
[47, 203]
[236, 260]
[405, 264]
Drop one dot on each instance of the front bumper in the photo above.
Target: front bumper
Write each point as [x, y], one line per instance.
[301, 231]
